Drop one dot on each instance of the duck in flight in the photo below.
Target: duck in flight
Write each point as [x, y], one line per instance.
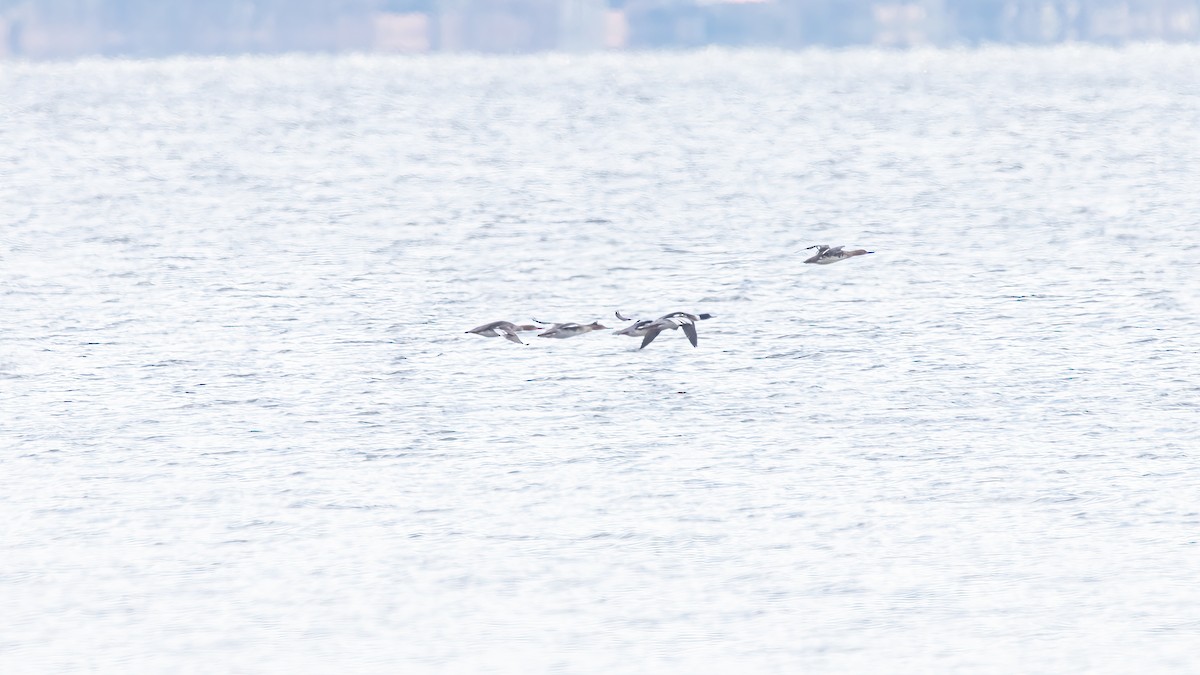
[827, 255]
[565, 330]
[506, 328]
[648, 329]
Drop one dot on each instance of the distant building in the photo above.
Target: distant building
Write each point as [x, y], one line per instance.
[658, 24]
[1051, 21]
[65, 28]
[520, 25]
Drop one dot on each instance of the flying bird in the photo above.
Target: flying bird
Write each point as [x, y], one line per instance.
[648, 329]
[565, 330]
[827, 255]
[506, 328]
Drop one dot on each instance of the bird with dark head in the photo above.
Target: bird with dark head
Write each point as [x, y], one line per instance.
[649, 329]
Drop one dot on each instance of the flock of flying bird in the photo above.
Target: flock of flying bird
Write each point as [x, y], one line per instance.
[647, 329]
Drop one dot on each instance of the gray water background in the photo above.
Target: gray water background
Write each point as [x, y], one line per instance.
[242, 429]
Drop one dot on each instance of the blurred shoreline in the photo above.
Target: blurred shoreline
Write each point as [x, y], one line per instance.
[53, 29]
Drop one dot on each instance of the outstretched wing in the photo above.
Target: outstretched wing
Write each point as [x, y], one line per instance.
[650, 335]
[623, 318]
[690, 330]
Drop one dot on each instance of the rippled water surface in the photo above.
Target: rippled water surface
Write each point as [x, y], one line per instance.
[243, 429]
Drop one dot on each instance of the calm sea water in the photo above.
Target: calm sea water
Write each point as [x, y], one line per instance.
[242, 429]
